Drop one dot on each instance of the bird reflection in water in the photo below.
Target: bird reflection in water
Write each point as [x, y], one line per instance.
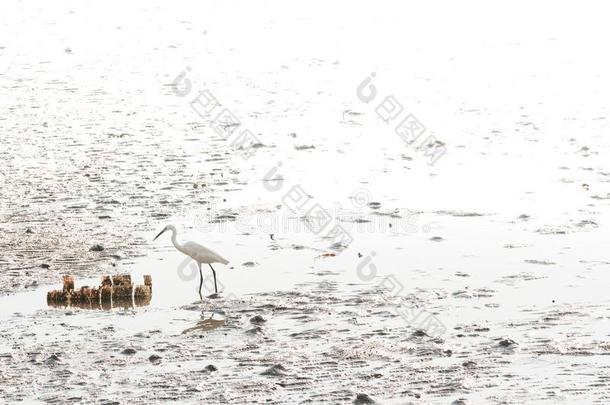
[207, 324]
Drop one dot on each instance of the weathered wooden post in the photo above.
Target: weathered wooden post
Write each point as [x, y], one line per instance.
[122, 286]
[68, 284]
[148, 281]
[106, 281]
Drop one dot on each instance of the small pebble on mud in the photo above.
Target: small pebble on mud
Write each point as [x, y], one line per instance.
[419, 333]
[363, 399]
[257, 319]
[275, 371]
[507, 343]
[52, 360]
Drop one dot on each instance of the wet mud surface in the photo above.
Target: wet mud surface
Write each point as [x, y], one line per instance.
[315, 344]
[83, 213]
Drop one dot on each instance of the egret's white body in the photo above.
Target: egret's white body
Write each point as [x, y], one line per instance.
[197, 252]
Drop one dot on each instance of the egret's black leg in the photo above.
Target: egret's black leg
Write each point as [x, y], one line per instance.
[201, 281]
[214, 271]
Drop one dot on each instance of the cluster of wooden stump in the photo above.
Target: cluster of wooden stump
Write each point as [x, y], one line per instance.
[115, 291]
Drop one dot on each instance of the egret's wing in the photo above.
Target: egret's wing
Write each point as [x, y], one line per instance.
[202, 254]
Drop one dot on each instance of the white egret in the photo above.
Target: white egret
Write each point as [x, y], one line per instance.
[197, 252]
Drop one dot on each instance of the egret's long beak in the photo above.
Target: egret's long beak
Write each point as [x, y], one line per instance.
[160, 233]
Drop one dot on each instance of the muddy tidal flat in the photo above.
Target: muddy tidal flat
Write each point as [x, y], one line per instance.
[414, 202]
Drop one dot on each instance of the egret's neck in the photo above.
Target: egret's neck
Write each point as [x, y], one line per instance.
[175, 241]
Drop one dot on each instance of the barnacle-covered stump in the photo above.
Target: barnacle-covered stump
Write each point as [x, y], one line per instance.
[142, 294]
[68, 283]
[117, 291]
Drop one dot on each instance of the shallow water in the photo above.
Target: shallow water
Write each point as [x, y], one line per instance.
[481, 278]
